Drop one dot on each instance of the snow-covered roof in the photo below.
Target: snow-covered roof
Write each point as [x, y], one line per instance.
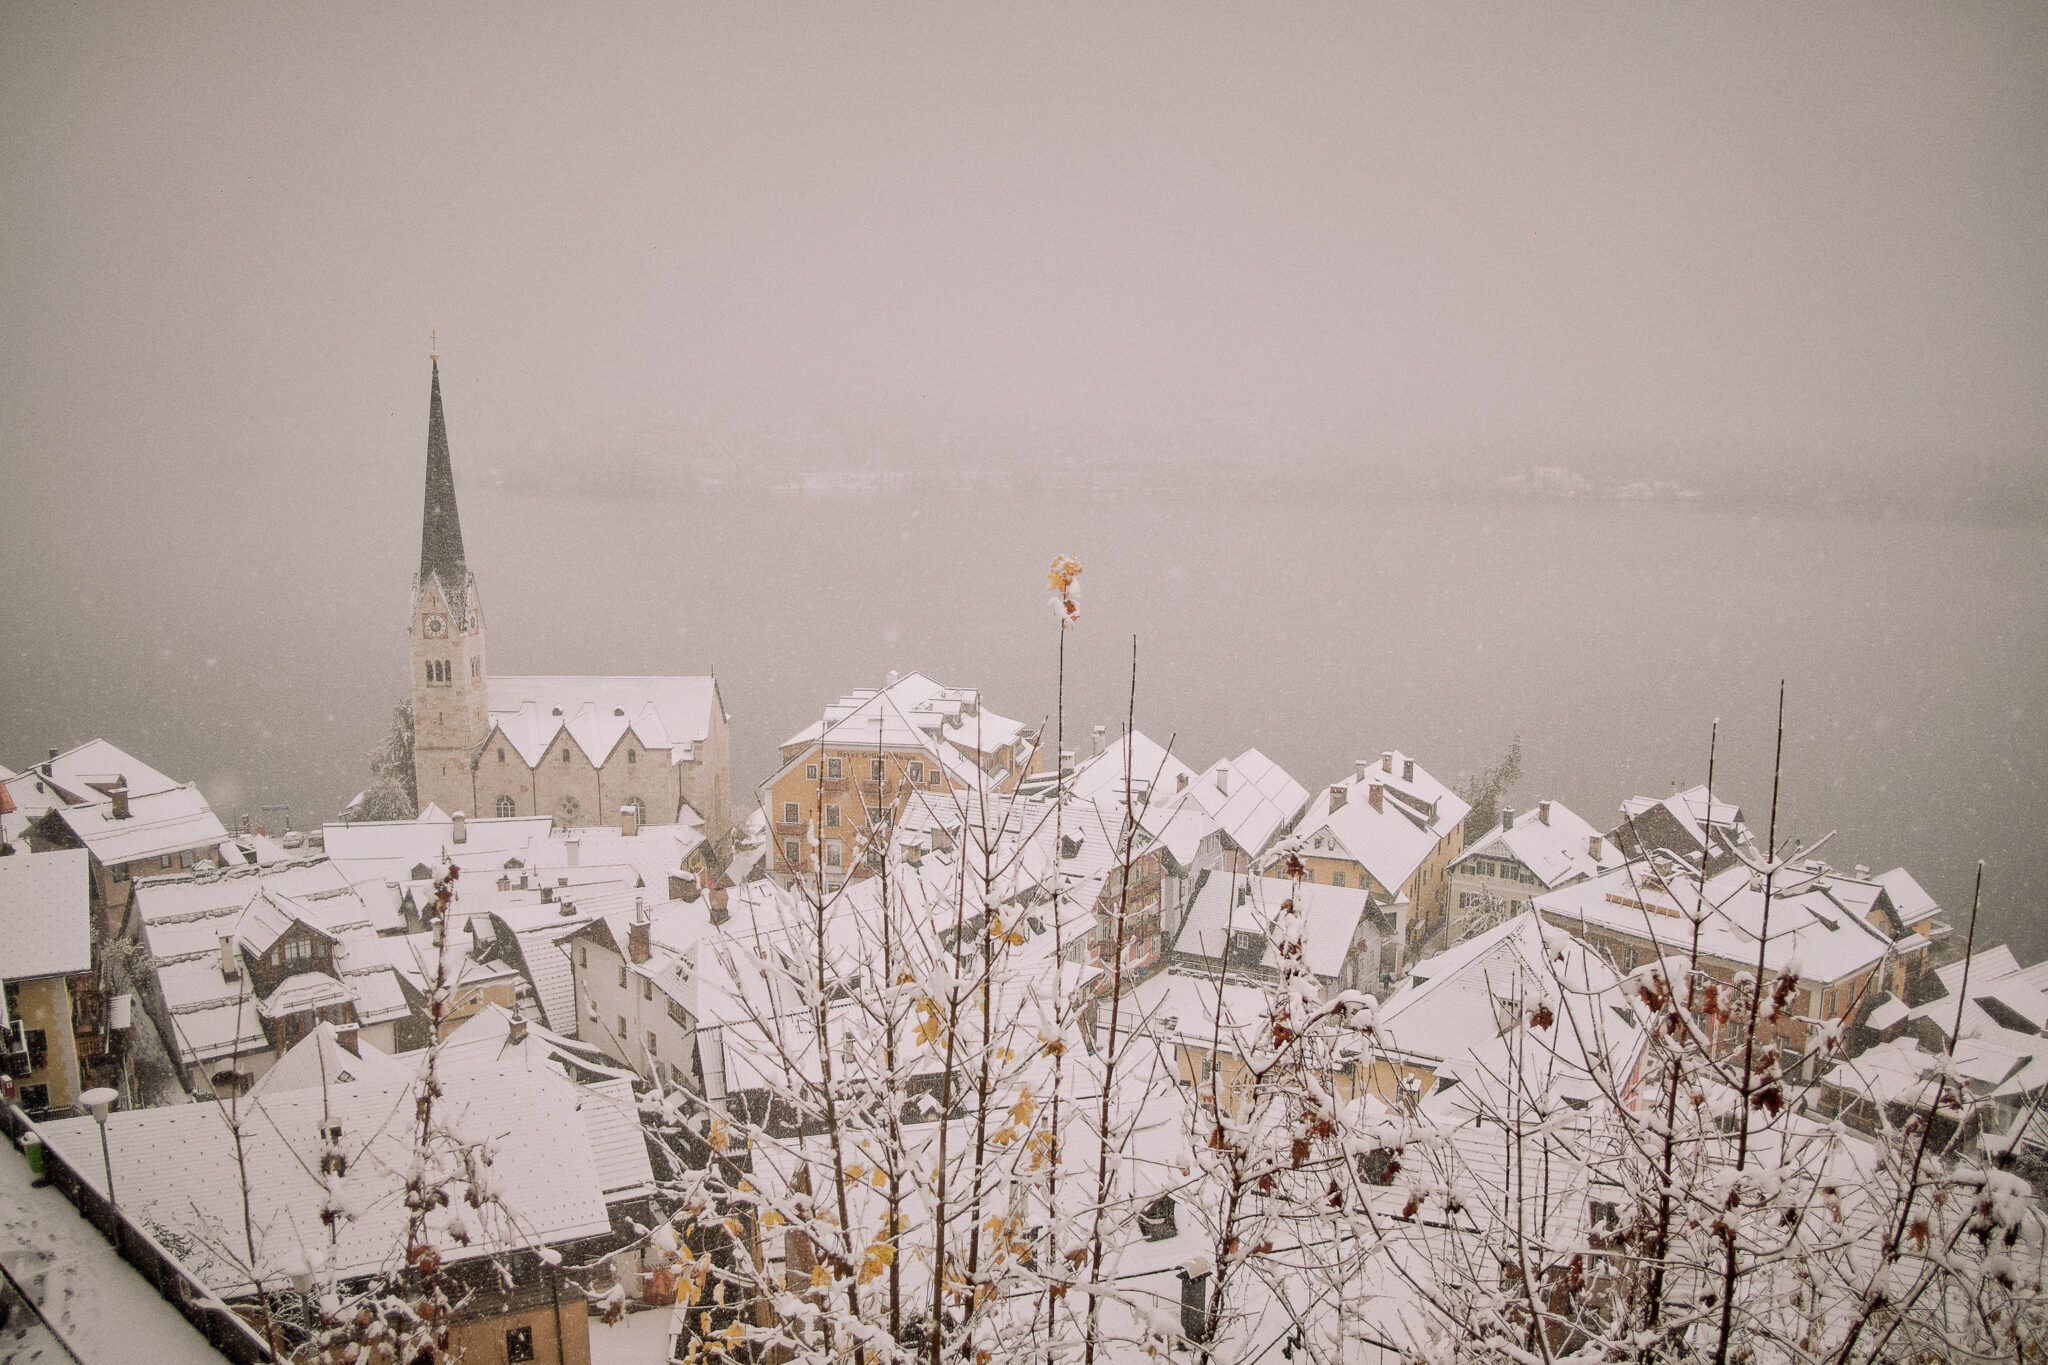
[184, 918]
[1415, 814]
[664, 713]
[1813, 923]
[1908, 897]
[913, 712]
[168, 821]
[1552, 841]
[319, 1060]
[45, 915]
[543, 1173]
[1154, 774]
[75, 776]
[389, 850]
[1226, 904]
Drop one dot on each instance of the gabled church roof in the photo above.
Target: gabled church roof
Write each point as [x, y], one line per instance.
[440, 527]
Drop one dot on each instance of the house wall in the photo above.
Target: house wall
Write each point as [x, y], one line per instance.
[595, 965]
[854, 792]
[706, 780]
[45, 1004]
[567, 789]
[447, 718]
[482, 1341]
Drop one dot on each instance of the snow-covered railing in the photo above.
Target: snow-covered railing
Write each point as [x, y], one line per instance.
[224, 1329]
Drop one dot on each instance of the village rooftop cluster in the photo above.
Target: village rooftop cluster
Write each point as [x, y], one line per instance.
[594, 945]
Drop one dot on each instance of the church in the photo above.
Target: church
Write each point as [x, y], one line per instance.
[619, 751]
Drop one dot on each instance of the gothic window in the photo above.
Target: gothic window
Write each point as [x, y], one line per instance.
[476, 668]
[632, 757]
[501, 753]
[639, 809]
[505, 807]
[565, 753]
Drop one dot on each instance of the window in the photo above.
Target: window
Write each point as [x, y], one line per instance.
[622, 973]
[790, 813]
[119, 872]
[519, 1344]
[651, 1049]
[582, 955]
[646, 988]
[915, 769]
[1336, 879]
[790, 854]
[1194, 1306]
[875, 769]
[833, 771]
[505, 807]
[565, 754]
[185, 859]
[934, 775]
[501, 753]
[810, 772]
[831, 817]
[620, 1031]
[832, 854]
[35, 1098]
[476, 668]
[164, 862]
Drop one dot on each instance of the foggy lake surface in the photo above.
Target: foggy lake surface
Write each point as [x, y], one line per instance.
[1609, 636]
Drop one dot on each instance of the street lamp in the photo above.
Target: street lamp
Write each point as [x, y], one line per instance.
[100, 1099]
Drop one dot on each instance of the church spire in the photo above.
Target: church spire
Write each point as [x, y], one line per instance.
[440, 526]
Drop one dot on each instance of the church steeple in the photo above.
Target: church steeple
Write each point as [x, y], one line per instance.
[440, 525]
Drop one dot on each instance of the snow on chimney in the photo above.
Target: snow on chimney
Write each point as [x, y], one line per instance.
[1375, 796]
[629, 820]
[1387, 761]
[1223, 778]
[1101, 737]
[1543, 811]
[350, 1038]
[1407, 770]
[1507, 817]
[1362, 764]
[1338, 794]
[230, 958]
[459, 826]
[640, 933]
[682, 886]
[118, 794]
[516, 1034]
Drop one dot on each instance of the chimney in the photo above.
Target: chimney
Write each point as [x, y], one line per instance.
[1387, 761]
[629, 820]
[350, 1038]
[682, 886]
[640, 933]
[1407, 770]
[1376, 796]
[1507, 817]
[118, 794]
[1223, 778]
[459, 824]
[1180, 783]
[1361, 764]
[1338, 795]
[516, 1033]
[1101, 737]
[720, 911]
[230, 958]
[575, 846]
[1595, 845]
[504, 881]
[53, 756]
[1543, 811]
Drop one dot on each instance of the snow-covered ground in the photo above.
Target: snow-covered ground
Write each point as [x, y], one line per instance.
[637, 1339]
[105, 1313]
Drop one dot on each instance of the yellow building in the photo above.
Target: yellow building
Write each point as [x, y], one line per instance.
[1391, 828]
[54, 1015]
[846, 778]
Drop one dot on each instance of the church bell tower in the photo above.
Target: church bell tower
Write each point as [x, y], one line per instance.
[450, 710]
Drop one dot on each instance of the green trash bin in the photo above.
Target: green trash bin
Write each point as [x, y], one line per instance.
[32, 1148]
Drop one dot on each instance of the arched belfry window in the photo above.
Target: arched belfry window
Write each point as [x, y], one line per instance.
[506, 807]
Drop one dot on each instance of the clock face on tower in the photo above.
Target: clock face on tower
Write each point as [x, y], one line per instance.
[436, 627]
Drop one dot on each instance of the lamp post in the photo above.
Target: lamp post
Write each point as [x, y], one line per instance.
[100, 1099]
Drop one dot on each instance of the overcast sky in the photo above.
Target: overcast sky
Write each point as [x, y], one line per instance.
[1457, 232]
